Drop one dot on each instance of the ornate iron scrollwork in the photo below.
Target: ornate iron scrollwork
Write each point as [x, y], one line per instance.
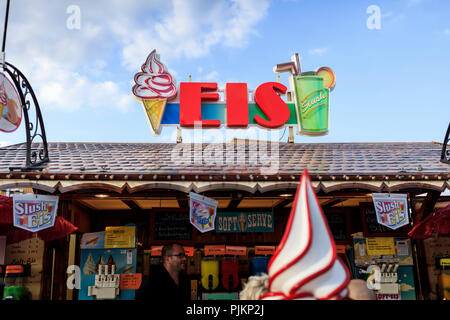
[445, 155]
[37, 156]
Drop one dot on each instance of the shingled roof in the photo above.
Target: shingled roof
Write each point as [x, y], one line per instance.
[215, 161]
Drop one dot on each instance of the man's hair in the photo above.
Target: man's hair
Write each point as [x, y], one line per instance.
[168, 249]
[255, 287]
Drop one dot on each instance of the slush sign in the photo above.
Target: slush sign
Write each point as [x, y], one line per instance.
[199, 104]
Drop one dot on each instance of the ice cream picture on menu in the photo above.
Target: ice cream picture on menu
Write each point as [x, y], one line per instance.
[153, 87]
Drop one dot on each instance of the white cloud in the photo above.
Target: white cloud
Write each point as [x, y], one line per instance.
[318, 51]
[73, 69]
[191, 28]
[212, 76]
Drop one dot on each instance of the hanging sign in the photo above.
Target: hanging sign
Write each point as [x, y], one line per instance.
[33, 212]
[202, 212]
[391, 209]
[214, 250]
[10, 106]
[156, 251]
[265, 250]
[236, 250]
[244, 222]
[199, 103]
[189, 251]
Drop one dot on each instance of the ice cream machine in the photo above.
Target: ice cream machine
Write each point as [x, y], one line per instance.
[383, 279]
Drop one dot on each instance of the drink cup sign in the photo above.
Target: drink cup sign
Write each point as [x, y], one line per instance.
[312, 96]
[312, 104]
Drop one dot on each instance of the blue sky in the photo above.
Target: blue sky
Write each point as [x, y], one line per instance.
[392, 82]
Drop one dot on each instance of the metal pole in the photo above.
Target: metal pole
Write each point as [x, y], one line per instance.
[4, 34]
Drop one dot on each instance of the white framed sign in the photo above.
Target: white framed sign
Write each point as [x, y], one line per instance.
[391, 209]
[33, 212]
[202, 212]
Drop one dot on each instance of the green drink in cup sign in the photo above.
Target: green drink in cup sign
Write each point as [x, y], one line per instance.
[312, 103]
[312, 92]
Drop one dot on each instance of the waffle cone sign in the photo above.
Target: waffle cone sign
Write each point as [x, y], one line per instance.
[154, 108]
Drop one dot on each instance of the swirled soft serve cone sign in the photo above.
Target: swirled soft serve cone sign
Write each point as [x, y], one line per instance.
[154, 86]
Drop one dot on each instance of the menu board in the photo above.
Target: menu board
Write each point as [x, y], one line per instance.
[172, 226]
[337, 224]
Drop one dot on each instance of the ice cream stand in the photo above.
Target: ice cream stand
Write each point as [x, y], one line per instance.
[104, 185]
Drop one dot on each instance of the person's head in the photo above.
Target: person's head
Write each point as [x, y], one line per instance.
[255, 287]
[173, 257]
[358, 290]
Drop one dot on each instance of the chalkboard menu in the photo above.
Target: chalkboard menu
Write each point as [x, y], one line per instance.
[337, 224]
[371, 222]
[172, 226]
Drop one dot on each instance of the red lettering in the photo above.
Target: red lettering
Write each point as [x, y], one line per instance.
[272, 105]
[237, 104]
[191, 97]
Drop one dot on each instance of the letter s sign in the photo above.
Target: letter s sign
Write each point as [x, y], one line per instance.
[272, 105]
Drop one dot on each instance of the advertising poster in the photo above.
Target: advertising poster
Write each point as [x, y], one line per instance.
[368, 252]
[94, 240]
[391, 209]
[407, 290]
[34, 212]
[244, 222]
[120, 237]
[380, 246]
[124, 260]
[202, 212]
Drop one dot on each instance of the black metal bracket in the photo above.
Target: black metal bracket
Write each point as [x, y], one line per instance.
[445, 155]
[36, 157]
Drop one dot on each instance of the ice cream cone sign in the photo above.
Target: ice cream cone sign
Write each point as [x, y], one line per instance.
[153, 87]
[305, 264]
